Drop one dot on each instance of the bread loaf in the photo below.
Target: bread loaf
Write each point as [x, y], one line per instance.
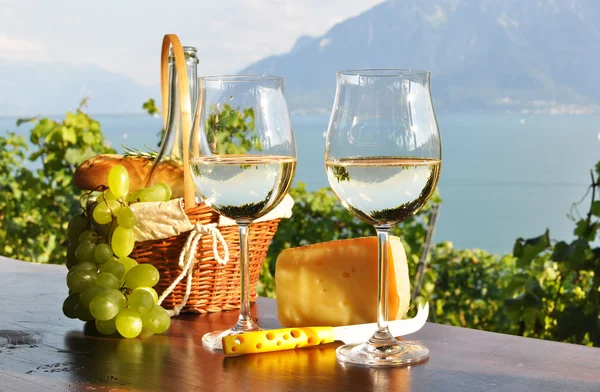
[93, 173]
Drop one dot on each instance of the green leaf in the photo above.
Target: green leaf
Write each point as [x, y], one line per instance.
[596, 208]
[76, 156]
[574, 323]
[69, 135]
[150, 107]
[94, 126]
[527, 250]
[581, 228]
[518, 247]
[88, 138]
[578, 250]
[534, 288]
[21, 121]
[562, 251]
[586, 230]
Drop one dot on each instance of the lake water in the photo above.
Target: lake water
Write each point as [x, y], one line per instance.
[503, 176]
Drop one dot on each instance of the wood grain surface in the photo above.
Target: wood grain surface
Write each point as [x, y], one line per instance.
[41, 350]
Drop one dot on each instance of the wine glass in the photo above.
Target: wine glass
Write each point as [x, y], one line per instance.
[383, 160]
[243, 160]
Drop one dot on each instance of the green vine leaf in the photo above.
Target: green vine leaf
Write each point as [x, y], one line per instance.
[35, 204]
[340, 173]
[231, 131]
[21, 121]
[596, 208]
[150, 107]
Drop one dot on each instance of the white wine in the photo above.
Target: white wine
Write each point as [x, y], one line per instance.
[243, 187]
[383, 190]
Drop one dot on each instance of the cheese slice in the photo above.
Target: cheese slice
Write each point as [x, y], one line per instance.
[335, 283]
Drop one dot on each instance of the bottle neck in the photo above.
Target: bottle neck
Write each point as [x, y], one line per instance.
[173, 128]
[191, 63]
[192, 71]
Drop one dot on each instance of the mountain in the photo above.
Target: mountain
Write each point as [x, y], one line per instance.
[529, 56]
[28, 89]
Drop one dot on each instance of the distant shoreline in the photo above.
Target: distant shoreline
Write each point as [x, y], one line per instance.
[91, 114]
[563, 110]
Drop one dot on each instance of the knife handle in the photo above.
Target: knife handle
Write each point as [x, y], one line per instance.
[276, 340]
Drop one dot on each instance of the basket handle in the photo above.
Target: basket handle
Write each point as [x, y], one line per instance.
[171, 40]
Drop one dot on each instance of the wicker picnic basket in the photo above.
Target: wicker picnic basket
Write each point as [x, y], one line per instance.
[208, 286]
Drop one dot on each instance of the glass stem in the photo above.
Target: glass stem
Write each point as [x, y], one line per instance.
[245, 322]
[382, 336]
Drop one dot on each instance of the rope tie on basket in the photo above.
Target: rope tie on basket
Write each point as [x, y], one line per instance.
[187, 257]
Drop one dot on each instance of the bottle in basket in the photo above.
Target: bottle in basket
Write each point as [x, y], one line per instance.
[171, 149]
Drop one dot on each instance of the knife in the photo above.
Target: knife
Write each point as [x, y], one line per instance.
[290, 338]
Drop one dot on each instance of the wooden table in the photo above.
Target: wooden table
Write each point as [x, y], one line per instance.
[41, 350]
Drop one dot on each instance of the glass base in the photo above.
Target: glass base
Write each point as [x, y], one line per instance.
[394, 353]
[214, 340]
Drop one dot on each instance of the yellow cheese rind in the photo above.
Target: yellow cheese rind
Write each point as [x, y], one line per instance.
[335, 283]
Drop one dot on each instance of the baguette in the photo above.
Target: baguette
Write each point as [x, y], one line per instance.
[93, 173]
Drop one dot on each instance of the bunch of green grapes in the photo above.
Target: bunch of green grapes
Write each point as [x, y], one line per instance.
[105, 284]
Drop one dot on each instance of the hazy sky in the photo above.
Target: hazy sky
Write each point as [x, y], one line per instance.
[125, 36]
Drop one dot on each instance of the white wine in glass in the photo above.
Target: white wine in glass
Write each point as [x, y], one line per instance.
[264, 179]
[243, 160]
[383, 161]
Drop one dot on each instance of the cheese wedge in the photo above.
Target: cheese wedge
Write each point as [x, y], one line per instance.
[335, 283]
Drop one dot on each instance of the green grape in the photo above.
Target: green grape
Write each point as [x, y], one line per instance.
[71, 305]
[153, 193]
[145, 331]
[141, 301]
[115, 268]
[126, 218]
[84, 266]
[116, 296]
[103, 307]
[106, 327]
[127, 262]
[167, 189]
[85, 251]
[104, 212]
[151, 291]
[129, 323]
[133, 197]
[87, 235]
[101, 214]
[77, 225]
[103, 197]
[71, 259]
[108, 280]
[157, 320]
[142, 275]
[118, 181]
[78, 281]
[103, 253]
[88, 294]
[84, 314]
[122, 241]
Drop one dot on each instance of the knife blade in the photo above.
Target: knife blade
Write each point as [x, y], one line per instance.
[290, 338]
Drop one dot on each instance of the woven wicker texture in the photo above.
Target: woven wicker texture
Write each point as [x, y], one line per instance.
[214, 287]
